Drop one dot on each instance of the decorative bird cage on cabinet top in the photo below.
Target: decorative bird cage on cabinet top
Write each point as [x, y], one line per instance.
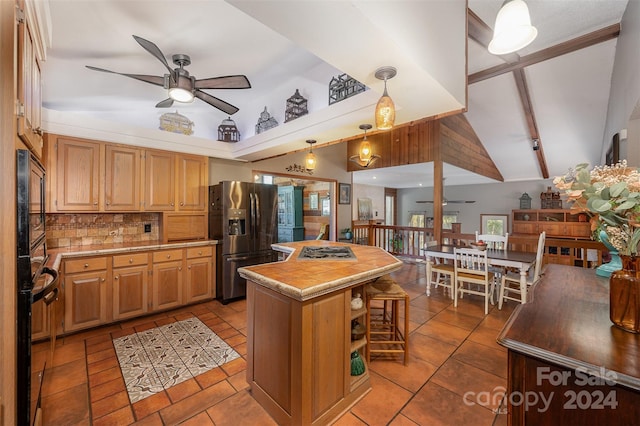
[525, 201]
[344, 86]
[296, 107]
[265, 122]
[176, 123]
[227, 131]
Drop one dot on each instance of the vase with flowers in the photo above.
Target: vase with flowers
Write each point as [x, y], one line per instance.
[611, 195]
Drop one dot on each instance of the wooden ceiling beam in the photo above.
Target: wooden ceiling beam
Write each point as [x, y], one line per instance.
[523, 90]
[590, 39]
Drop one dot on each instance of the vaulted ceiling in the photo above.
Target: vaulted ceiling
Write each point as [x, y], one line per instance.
[286, 45]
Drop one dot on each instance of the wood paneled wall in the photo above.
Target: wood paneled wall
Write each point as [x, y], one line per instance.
[419, 143]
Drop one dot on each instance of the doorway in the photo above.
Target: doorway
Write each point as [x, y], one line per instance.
[319, 203]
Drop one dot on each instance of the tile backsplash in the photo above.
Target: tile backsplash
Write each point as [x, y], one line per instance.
[66, 230]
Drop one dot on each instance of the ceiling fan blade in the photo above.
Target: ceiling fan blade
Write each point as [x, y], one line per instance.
[165, 104]
[216, 103]
[225, 82]
[461, 201]
[424, 201]
[157, 80]
[154, 50]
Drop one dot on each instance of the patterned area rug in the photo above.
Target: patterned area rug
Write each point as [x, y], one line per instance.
[158, 358]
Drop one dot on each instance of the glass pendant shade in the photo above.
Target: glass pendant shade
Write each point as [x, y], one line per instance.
[365, 150]
[310, 161]
[512, 30]
[385, 112]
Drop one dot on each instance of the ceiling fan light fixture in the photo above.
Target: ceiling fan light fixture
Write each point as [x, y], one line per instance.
[385, 113]
[179, 94]
[310, 160]
[512, 30]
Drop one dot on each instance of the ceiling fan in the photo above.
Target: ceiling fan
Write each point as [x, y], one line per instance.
[183, 87]
[445, 201]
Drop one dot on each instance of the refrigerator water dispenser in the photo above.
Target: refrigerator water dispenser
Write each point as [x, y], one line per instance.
[237, 222]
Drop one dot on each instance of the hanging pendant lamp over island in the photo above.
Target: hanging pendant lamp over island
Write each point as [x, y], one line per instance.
[310, 159]
[365, 156]
[512, 30]
[385, 114]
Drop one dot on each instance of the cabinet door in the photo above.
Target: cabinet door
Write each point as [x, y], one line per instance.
[199, 279]
[130, 292]
[122, 178]
[167, 285]
[159, 194]
[85, 300]
[192, 182]
[29, 89]
[77, 175]
[39, 320]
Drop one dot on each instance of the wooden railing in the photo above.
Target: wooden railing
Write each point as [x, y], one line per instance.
[409, 242]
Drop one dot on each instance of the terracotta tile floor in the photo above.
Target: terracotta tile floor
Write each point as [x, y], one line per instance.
[452, 353]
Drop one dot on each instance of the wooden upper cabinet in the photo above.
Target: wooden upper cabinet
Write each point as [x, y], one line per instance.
[29, 84]
[160, 189]
[192, 183]
[122, 178]
[77, 175]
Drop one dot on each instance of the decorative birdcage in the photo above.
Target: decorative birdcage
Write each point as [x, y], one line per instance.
[265, 122]
[550, 199]
[176, 123]
[227, 131]
[344, 86]
[296, 107]
[525, 201]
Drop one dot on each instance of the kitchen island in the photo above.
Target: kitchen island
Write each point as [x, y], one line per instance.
[299, 328]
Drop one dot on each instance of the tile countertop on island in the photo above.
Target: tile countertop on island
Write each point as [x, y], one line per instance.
[304, 279]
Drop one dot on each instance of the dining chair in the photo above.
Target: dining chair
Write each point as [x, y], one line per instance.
[443, 273]
[510, 286]
[495, 242]
[471, 266]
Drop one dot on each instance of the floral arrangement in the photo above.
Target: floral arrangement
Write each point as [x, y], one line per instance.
[611, 194]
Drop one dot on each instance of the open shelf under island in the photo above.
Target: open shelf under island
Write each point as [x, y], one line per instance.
[299, 330]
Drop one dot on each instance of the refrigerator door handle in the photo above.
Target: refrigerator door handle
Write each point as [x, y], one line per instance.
[257, 208]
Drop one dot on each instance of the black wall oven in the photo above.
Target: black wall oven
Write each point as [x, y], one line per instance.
[35, 280]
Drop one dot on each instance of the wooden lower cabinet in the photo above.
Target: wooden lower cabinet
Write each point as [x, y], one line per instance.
[298, 358]
[85, 300]
[199, 274]
[130, 292]
[39, 320]
[167, 279]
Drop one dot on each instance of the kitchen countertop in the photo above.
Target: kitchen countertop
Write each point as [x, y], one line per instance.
[57, 254]
[304, 279]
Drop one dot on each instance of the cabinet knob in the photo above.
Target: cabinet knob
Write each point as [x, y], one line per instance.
[182, 204]
[117, 277]
[189, 267]
[102, 280]
[95, 203]
[86, 265]
[168, 256]
[179, 268]
[200, 253]
[131, 260]
[172, 204]
[108, 203]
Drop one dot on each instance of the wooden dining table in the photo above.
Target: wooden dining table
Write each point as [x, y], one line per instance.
[520, 260]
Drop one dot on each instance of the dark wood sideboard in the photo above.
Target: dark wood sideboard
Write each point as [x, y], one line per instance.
[567, 363]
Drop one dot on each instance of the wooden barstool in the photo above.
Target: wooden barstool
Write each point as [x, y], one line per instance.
[383, 332]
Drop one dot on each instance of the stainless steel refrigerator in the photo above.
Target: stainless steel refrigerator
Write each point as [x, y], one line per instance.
[244, 216]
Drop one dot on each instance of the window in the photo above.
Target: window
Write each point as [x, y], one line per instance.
[448, 218]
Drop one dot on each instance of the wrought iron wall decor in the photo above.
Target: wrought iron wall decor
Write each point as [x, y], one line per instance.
[298, 168]
[296, 107]
[265, 122]
[227, 131]
[176, 123]
[344, 86]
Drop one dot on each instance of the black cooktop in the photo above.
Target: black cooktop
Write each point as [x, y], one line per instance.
[332, 253]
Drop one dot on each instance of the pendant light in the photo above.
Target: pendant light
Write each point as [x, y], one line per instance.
[385, 109]
[512, 30]
[365, 156]
[310, 159]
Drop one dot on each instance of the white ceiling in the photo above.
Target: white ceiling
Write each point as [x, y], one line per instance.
[283, 45]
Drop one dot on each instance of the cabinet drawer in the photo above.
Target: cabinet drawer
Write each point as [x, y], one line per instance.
[199, 252]
[167, 255]
[89, 264]
[130, 259]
